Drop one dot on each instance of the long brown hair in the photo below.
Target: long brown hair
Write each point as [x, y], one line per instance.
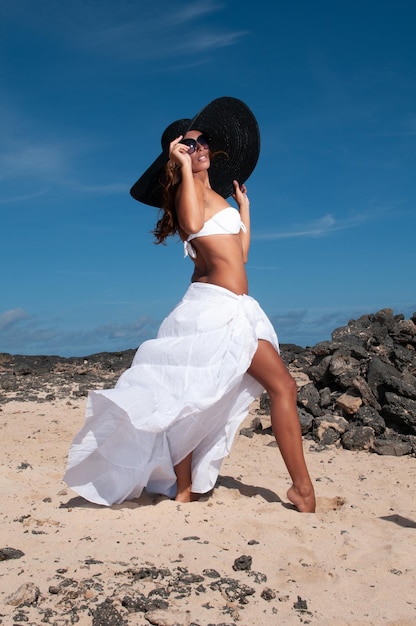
[167, 224]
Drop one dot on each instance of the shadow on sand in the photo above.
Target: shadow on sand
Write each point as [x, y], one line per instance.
[149, 499]
[405, 522]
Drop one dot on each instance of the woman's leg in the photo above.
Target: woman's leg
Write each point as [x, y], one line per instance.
[269, 370]
[183, 471]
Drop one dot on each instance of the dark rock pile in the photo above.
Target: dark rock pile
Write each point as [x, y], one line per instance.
[160, 595]
[359, 390]
[48, 378]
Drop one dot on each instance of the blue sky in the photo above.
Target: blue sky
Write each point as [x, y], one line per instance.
[88, 86]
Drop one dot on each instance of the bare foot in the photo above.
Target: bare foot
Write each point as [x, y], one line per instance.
[186, 496]
[304, 499]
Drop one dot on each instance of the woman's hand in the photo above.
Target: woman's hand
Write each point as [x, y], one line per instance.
[178, 152]
[240, 194]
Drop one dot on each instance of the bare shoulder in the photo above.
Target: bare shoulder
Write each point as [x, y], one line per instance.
[213, 201]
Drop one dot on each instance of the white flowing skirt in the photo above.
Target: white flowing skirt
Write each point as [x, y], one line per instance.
[186, 391]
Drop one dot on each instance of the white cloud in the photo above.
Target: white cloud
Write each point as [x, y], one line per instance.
[24, 197]
[11, 317]
[130, 30]
[316, 228]
[33, 165]
[34, 159]
[21, 333]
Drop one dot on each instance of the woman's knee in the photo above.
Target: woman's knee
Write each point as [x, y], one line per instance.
[268, 368]
[283, 385]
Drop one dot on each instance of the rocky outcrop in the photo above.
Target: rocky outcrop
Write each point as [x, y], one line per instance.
[359, 389]
[47, 378]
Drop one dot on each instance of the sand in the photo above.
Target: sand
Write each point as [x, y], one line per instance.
[353, 562]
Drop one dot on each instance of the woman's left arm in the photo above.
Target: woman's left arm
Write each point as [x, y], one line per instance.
[240, 196]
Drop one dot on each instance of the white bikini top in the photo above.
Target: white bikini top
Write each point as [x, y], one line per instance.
[225, 222]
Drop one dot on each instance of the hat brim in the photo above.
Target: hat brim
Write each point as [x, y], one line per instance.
[234, 135]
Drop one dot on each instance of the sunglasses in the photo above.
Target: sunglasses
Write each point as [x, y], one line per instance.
[202, 140]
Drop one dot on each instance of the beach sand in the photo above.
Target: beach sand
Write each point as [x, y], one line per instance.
[353, 562]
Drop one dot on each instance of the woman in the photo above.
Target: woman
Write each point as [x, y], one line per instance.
[173, 415]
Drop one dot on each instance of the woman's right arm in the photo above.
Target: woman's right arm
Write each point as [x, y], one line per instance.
[240, 196]
[189, 199]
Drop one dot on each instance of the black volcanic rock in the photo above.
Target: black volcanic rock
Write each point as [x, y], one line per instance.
[371, 361]
[107, 615]
[10, 553]
[46, 378]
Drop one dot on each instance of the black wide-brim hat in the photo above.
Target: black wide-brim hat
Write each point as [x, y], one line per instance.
[233, 132]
